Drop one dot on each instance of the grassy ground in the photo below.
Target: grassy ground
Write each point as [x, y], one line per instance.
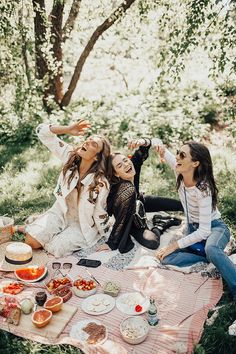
[27, 179]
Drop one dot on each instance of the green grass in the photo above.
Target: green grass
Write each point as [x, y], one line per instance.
[27, 180]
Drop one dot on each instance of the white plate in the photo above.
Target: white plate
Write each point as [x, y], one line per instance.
[98, 304]
[32, 281]
[77, 332]
[126, 303]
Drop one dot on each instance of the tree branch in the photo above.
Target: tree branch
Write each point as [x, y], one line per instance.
[92, 41]
[70, 22]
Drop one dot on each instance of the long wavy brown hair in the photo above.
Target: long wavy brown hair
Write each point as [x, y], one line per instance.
[203, 173]
[99, 167]
[111, 173]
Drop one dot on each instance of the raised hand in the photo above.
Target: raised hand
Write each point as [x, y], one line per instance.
[135, 143]
[161, 151]
[79, 128]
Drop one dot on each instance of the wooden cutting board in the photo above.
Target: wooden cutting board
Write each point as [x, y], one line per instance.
[58, 322]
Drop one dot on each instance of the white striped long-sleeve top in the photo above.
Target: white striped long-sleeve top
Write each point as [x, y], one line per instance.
[199, 205]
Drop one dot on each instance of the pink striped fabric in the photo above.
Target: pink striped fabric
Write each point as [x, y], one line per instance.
[183, 302]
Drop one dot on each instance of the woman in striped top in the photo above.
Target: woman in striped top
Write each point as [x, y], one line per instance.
[207, 235]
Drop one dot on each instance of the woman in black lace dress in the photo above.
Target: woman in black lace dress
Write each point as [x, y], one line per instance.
[124, 175]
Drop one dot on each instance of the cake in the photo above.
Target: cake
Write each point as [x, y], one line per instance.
[18, 253]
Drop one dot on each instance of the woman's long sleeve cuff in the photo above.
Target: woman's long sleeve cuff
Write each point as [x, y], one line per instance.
[156, 142]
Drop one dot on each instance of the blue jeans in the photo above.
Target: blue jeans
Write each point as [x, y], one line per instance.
[214, 249]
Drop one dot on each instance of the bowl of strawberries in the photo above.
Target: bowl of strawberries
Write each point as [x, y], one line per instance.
[84, 287]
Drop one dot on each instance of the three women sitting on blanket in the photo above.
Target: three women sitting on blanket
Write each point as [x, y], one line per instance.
[207, 234]
[124, 176]
[78, 218]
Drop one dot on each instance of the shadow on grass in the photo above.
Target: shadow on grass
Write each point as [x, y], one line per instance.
[10, 152]
[21, 210]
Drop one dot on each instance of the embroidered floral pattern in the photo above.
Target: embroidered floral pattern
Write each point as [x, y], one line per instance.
[105, 217]
[59, 191]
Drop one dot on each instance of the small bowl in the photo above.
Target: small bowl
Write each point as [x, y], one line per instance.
[54, 304]
[134, 329]
[64, 292]
[41, 318]
[84, 293]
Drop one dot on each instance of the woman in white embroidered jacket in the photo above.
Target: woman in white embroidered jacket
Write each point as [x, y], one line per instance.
[78, 218]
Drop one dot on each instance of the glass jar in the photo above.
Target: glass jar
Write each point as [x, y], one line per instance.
[41, 298]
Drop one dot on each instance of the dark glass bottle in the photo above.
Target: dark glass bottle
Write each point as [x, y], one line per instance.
[152, 313]
[41, 298]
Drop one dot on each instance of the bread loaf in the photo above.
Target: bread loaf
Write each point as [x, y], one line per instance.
[10, 309]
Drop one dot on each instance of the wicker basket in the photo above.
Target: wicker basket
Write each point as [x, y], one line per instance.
[6, 226]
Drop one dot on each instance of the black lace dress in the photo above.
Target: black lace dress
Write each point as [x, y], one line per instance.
[121, 203]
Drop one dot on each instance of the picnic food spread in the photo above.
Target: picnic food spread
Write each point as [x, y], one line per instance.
[12, 288]
[83, 284]
[98, 304]
[84, 287]
[132, 303]
[18, 253]
[91, 331]
[96, 332]
[54, 304]
[111, 288]
[27, 306]
[59, 282]
[10, 309]
[65, 293]
[134, 329]
[31, 273]
[41, 318]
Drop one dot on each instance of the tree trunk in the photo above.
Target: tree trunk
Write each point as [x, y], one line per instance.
[56, 80]
[87, 50]
[40, 32]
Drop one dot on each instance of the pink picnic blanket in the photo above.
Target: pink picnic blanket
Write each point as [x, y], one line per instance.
[183, 302]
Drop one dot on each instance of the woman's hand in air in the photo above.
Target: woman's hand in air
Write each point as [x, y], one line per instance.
[103, 247]
[165, 251]
[78, 128]
[135, 143]
[161, 151]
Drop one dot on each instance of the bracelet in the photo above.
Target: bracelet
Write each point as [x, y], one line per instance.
[147, 142]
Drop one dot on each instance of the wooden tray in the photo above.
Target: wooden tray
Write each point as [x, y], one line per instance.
[58, 322]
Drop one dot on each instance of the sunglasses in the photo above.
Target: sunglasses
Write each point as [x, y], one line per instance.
[58, 265]
[181, 154]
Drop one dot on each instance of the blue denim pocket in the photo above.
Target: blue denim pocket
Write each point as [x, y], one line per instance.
[198, 247]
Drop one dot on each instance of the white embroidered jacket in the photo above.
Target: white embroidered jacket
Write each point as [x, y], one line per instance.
[94, 220]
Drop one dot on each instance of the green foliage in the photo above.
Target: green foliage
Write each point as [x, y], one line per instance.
[10, 343]
[215, 338]
[190, 24]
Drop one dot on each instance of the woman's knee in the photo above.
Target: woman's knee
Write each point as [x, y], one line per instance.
[212, 252]
[32, 242]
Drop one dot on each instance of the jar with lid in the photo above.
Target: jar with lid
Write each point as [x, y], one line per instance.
[41, 297]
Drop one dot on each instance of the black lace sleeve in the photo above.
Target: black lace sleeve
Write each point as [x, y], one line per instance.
[123, 209]
[140, 155]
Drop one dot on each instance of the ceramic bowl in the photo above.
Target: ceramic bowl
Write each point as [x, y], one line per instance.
[83, 292]
[134, 329]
